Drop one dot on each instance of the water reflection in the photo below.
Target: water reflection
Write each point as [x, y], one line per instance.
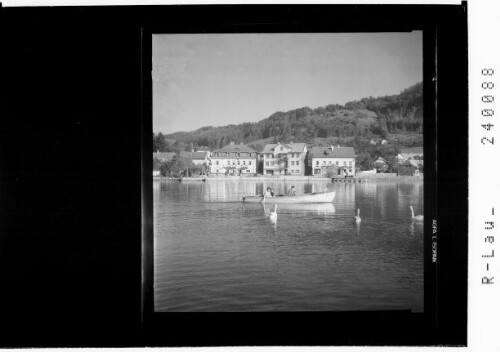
[357, 226]
[303, 209]
[214, 253]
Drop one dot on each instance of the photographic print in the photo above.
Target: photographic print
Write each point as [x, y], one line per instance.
[288, 172]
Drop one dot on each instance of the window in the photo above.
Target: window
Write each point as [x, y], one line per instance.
[350, 163]
[267, 163]
[244, 162]
[217, 162]
[248, 170]
[238, 154]
[297, 163]
[345, 163]
[337, 163]
[229, 162]
[292, 163]
[250, 162]
[238, 162]
[234, 163]
[317, 163]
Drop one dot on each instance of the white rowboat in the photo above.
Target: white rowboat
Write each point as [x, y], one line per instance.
[326, 197]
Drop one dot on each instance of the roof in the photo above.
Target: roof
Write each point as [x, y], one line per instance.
[414, 150]
[416, 163]
[380, 160]
[235, 148]
[164, 155]
[194, 155]
[294, 147]
[337, 152]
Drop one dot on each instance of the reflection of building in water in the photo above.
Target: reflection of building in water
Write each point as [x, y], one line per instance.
[345, 194]
[411, 193]
[229, 190]
[214, 191]
[387, 197]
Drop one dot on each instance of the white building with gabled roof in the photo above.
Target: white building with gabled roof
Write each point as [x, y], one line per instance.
[284, 159]
[234, 159]
[340, 160]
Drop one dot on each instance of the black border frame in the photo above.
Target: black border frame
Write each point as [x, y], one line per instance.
[428, 323]
[70, 179]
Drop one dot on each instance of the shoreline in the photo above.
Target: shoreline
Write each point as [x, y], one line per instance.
[355, 179]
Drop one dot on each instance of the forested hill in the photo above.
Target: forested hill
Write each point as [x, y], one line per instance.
[396, 118]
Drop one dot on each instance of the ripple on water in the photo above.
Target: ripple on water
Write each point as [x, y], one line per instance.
[228, 256]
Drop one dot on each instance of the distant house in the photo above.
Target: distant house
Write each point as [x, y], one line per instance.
[197, 158]
[163, 156]
[410, 167]
[380, 164]
[340, 160]
[284, 159]
[234, 159]
[416, 153]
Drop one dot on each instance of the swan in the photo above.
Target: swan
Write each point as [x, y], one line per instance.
[416, 218]
[357, 218]
[273, 216]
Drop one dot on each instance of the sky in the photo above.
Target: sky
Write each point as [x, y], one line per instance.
[220, 79]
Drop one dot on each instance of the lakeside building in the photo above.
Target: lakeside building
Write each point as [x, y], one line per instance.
[341, 161]
[380, 165]
[415, 153]
[410, 167]
[234, 159]
[197, 158]
[284, 159]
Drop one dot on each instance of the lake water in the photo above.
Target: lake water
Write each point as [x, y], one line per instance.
[214, 253]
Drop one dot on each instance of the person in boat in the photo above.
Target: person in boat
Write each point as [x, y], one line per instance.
[292, 192]
[268, 192]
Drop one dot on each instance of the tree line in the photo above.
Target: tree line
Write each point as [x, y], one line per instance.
[354, 124]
